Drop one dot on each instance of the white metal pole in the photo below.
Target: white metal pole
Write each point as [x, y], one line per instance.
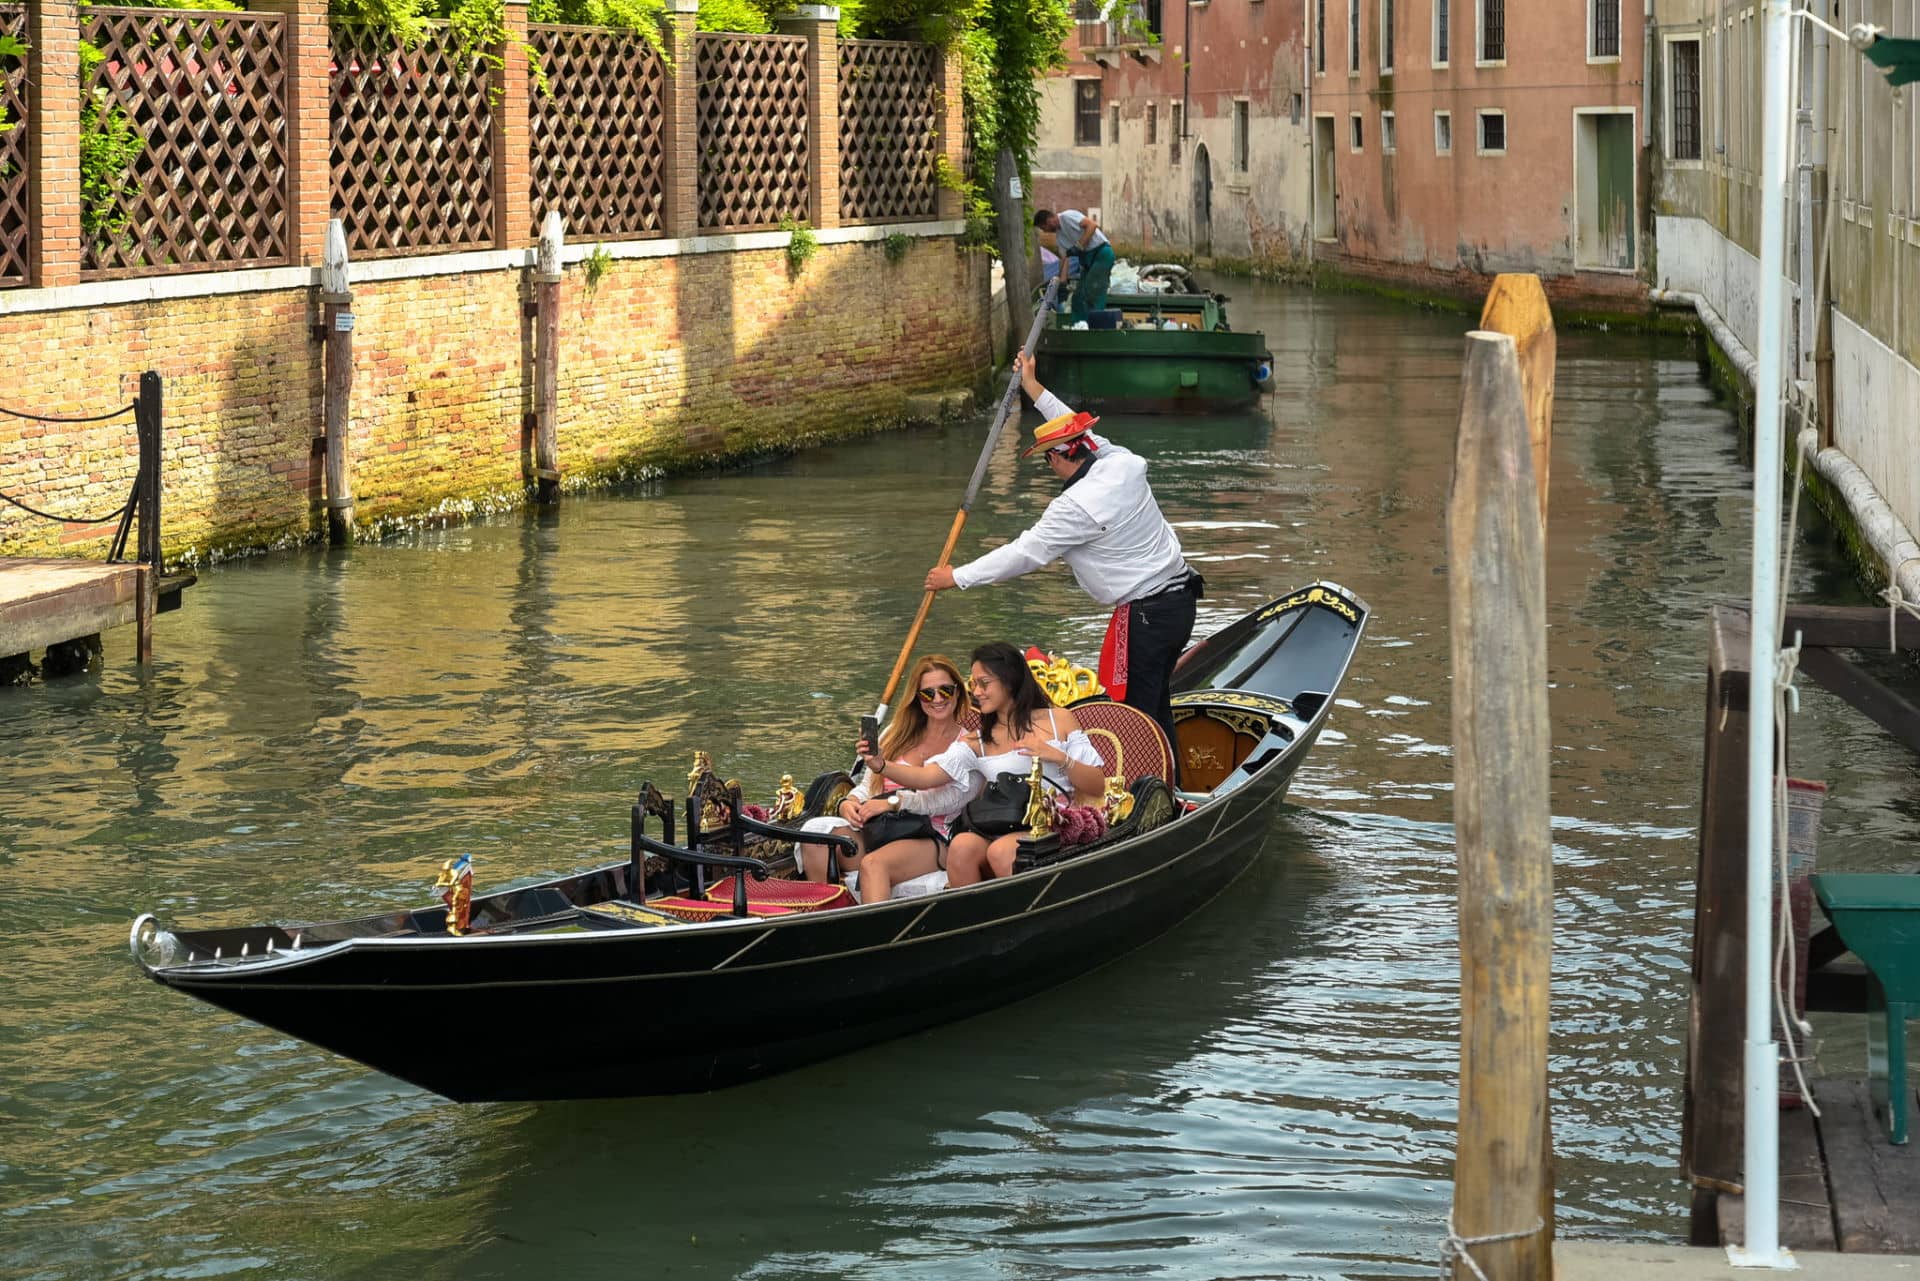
[1762, 1059]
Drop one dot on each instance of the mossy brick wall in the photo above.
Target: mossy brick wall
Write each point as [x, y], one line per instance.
[670, 362]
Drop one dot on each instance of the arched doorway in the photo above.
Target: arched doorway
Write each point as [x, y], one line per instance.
[1202, 203]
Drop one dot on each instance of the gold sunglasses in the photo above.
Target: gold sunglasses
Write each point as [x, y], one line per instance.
[935, 693]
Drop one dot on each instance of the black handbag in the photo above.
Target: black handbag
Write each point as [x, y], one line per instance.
[884, 829]
[1001, 808]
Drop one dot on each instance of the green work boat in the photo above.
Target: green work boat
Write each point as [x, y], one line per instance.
[1167, 353]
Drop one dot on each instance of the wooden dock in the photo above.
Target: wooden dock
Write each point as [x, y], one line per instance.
[1845, 1187]
[48, 602]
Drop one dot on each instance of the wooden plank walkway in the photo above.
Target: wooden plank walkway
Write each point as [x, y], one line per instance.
[49, 601]
[1843, 1187]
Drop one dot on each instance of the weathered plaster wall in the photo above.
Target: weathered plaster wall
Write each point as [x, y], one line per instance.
[669, 361]
[1212, 56]
[1707, 223]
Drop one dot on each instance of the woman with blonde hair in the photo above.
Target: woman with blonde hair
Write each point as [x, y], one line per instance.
[901, 834]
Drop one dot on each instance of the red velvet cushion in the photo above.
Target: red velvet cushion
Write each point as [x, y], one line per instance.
[793, 896]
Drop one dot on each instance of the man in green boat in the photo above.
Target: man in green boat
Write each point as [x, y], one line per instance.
[1078, 236]
[1106, 525]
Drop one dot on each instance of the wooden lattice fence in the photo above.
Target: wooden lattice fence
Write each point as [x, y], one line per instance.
[205, 93]
[752, 112]
[598, 144]
[412, 146]
[13, 154]
[889, 130]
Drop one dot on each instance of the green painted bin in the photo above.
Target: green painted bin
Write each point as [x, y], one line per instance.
[1878, 918]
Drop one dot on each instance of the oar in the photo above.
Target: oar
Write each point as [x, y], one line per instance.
[1008, 402]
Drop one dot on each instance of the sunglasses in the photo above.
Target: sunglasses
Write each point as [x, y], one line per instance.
[978, 683]
[935, 693]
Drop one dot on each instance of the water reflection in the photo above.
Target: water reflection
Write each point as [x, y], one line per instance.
[1269, 1091]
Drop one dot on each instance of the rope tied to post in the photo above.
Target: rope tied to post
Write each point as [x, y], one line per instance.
[1454, 1249]
[1896, 602]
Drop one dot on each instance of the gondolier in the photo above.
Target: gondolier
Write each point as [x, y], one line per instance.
[1107, 527]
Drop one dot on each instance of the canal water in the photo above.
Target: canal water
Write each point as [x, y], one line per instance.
[1267, 1092]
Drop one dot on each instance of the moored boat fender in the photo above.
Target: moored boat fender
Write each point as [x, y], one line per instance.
[1262, 371]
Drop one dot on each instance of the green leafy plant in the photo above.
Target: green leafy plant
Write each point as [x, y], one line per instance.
[109, 145]
[10, 47]
[734, 15]
[802, 244]
[897, 244]
[594, 268]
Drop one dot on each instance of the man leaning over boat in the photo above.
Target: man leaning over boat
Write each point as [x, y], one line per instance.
[1106, 525]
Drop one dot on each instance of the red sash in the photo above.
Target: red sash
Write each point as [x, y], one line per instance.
[1113, 655]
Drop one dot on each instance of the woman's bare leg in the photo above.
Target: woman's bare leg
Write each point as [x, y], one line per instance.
[893, 863]
[813, 858]
[1001, 853]
[966, 859]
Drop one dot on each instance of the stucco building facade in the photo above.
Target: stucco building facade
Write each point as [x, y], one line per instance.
[1454, 139]
[1073, 131]
[1208, 151]
[1856, 164]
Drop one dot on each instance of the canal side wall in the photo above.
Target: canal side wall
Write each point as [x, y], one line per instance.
[680, 355]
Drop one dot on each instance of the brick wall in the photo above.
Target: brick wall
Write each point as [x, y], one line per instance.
[670, 362]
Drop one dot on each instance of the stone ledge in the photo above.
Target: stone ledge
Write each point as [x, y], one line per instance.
[208, 284]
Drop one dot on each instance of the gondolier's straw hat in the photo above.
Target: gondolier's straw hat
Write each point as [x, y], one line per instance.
[1060, 431]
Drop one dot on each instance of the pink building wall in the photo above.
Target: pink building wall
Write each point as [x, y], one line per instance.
[1448, 220]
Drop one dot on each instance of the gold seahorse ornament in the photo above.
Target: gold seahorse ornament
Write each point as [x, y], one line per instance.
[787, 801]
[1116, 802]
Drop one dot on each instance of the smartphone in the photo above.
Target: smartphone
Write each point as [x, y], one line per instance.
[870, 730]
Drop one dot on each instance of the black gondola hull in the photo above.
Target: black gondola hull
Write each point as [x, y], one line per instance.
[689, 1008]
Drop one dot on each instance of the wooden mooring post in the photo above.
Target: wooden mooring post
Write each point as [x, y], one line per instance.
[146, 418]
[546, 357]
[336, 302]
[1502, 1215]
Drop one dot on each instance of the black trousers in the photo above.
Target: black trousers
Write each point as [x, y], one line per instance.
[1158, 630]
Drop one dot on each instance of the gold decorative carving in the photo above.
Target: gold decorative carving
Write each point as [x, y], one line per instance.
[1039, 811]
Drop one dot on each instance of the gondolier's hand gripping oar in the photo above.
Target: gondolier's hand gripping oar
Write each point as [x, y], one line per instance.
[1008, 401]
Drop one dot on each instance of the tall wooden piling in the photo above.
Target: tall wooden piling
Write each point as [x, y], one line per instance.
[1502, 820]
[336, 303]
[546, 359]
[1517, 306]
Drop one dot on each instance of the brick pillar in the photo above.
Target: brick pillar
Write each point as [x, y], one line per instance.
[952, 124]
[512, 140]
[309, 55]
[53, 143]
[680, 125]
[819, 23]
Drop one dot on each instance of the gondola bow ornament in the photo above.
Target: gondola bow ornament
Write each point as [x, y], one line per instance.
[455, 882]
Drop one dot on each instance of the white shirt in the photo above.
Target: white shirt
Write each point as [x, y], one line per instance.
[1107, 528]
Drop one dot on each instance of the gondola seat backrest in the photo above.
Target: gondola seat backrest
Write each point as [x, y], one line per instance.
[1129, 741]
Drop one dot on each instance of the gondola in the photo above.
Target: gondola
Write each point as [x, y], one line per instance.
[596, 985]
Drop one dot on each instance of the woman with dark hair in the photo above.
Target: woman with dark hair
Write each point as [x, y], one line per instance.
[899, 832]
[1018, 724]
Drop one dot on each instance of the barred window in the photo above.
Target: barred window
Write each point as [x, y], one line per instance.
[1353, 35]
[1441, 14]
[1683, 110]
[1153, 123]
[1493, 133]
[1493, 30]
[1386, 35]
[1240, 131]
[1086, 113]
[1177, 123]
[1320, 35]
[1605, 33]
